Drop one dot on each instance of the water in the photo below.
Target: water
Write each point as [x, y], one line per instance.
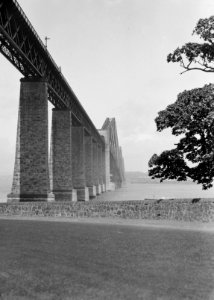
[151, 191]
[157, 191]
[3, 197]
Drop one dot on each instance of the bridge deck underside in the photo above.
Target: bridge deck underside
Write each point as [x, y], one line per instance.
[21, 45]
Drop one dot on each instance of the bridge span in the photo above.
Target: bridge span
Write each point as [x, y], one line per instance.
[82, 162]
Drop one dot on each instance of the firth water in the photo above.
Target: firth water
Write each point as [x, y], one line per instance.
[140, 191]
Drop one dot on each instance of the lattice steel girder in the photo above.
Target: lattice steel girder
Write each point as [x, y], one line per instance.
[21, 45]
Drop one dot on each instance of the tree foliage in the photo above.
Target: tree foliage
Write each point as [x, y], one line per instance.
[191, 118]
[197, 56]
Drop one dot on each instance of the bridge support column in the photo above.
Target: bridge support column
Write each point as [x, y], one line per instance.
[31, 172]
[103, 171]
[106, 160]
[78, 162]
[89, 166]
[96, 168]
[100, 169]
[61, 161]
[113, 174]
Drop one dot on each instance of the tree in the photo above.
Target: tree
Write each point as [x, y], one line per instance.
[191, 117]
[197, 56]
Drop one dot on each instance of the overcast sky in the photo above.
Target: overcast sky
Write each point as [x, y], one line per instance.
[113, 54]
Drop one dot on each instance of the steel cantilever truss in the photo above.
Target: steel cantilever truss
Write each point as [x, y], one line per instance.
[115, 149]
[21, 45]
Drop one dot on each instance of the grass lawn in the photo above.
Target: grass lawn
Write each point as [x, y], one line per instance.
[54, 260]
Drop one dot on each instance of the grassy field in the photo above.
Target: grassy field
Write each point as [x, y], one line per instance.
[53, 260]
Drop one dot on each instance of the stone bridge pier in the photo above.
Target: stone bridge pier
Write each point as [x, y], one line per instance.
[78, 160]
[96, 167]
[79, 166]
[61, 168]
[89, 166]
[31, 172]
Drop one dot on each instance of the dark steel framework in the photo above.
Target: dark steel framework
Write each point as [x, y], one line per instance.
[115, 149]
[21, 45]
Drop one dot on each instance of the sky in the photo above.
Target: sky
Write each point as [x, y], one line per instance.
[113, 54]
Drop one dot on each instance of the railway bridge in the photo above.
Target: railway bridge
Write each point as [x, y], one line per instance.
[82, 162]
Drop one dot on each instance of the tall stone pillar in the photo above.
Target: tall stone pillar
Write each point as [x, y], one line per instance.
[96, 167]
[62, 156]
[100, 170]
[78, 163]
[106, 157]
[89, 172]
[113, 174]
[103, 170]
[31, 172]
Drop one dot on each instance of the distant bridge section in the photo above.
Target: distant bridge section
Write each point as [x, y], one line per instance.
[75, 167]
[115, 170]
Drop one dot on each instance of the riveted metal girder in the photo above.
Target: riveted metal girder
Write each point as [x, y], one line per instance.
[21, 45]
[115, 150]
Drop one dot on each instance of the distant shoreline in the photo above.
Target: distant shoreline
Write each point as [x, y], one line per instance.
[162, 183]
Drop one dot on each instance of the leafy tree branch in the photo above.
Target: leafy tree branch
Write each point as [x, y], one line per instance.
[191, 117]
[197, 56]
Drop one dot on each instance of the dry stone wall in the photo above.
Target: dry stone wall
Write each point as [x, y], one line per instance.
[179, 209]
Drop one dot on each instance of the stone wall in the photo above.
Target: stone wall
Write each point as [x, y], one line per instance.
[179, 209]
